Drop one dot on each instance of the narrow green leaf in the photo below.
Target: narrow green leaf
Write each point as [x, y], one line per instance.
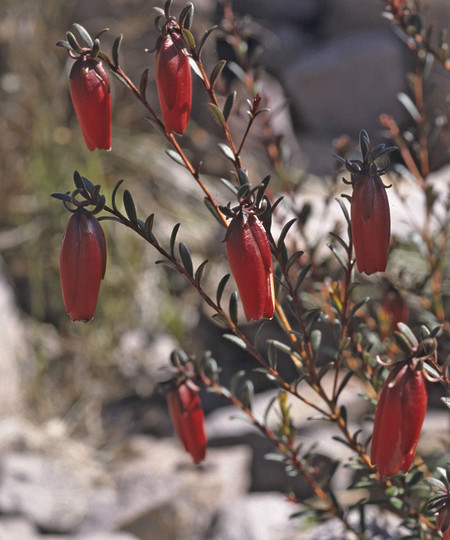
[204, 38]
[285, 230]
[130, 207]
[339, 239]
[357, 306]
[63, 43]
[189, 39]
[84, 34]
[187, 15]
[199, 272]
[236, 340]
[62, 197]
[235, 380]
[344, 209]
[116, 49]
[233, 307]
[228, 105]
[215, 73]
[226, 150]
[344, 382]
[315, 339]
[272, 355]
[195, 68]
[186, 258]
[144, 82]
[217, 114]
[148, 225]
[301, 276]
[221, 287]
[338, 256]
[173, 237]
[248, 392]
[218, 317]
[437, 484]
[167, 6]
[213, 210]
[408, 333]
[72, 40]
[83, 184]
[175, 156]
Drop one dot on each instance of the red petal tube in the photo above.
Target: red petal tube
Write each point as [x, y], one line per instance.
[398, 420]
[187, 416]
[371, 224]
[174, 82]
[91, 98]
[82, 264]
[248, 252]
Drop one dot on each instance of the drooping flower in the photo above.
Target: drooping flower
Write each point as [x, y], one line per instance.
[443, 519]
[250, 259]
[173, 82]
[398, 419]
[91, 98]
[82, 264]
[371, 223]
[187, 416]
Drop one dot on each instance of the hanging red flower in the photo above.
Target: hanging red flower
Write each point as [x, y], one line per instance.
[371, 223]
[82, 264]
[91, 98]
[173, 82]
[398, 419]
[250, 259]
[185, 409]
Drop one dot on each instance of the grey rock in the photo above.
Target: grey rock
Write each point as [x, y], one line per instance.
[14, 351]
[43, 490]
[163, 495]
[14, 528]
[346, 84]
[255, 517]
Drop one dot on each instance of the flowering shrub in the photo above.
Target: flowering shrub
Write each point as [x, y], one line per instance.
[317, 305]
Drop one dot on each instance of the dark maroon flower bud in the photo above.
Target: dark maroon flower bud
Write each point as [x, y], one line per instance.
[91, 98]
[371, 223]
[398, 419]
[173, 81]
[443, 519]
[250, 261]
[185, 409]
[82, 264]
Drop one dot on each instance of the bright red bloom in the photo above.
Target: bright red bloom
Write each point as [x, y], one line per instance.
[250, 261]
[174, 82]
[371, 223]
[82, 264]
[398, 419]
[91, 98]
[185, 409]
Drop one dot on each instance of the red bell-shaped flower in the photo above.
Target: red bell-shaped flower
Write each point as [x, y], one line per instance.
[91, 98]
[82, 264]
[248, 252]
[398, 419]
[187, 416]
[173, 82]
[371, 223]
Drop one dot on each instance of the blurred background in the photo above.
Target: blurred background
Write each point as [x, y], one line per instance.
[325, 68]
